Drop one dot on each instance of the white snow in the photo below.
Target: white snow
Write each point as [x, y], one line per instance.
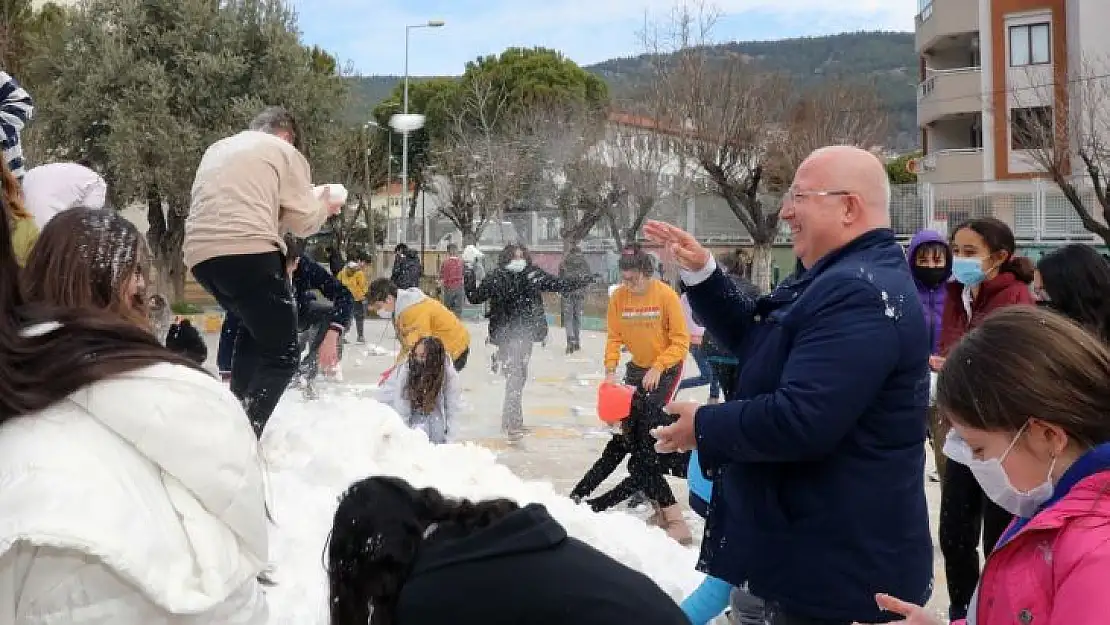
[314, 450]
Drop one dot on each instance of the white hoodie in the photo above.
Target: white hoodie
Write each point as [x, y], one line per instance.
[53, 188]
[138, 500]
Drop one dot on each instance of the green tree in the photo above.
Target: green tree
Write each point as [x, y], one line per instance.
[897, 169]
[142, 87]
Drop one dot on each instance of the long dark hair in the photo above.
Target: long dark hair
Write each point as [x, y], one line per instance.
[1076, 279]
[376, 536]
[74, 345]
[1000, 238]
[426, 376]
[1024, 362]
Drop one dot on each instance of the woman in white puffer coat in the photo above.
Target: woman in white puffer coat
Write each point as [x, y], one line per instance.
[131, 488]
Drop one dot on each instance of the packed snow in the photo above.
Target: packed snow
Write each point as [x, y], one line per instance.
[314, 450]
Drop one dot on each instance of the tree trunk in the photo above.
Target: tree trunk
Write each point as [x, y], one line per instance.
[762, 257]
[614, 229]
[166, 237]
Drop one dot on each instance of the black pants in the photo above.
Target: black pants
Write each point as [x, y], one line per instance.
[358, 312]
[646, 468]
[256, 288]
[966, 516]
[460, 362]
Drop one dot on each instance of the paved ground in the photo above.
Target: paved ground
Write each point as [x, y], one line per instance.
[559, 400]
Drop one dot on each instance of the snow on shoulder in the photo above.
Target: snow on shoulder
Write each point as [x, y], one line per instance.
[314, 451]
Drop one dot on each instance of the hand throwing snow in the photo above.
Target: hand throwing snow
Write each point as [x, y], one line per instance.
[679, 436]
[329, 351]
[682, 245]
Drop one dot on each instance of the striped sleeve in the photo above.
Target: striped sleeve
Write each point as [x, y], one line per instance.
[16, 109]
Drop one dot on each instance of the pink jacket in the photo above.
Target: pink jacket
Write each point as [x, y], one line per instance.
[696, 331]
[1056, 569]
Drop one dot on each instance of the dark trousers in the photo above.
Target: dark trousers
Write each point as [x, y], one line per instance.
[966, 517]
[460, 362]
[256, 289]
[453, 299]
[572, 319]
[706, 373]
[358, 313]
[727, 371]
[646, 467]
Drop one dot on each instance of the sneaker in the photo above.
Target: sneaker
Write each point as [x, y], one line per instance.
[361, 340]
[310, 392]
[637, 499]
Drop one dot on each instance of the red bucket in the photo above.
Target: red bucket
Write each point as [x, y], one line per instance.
[614, 402]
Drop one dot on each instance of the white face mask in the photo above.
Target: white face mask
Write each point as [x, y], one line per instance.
[995, 482]
[517, 265]
[385, 314]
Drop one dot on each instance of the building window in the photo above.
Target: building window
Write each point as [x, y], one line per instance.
[1031, 128]
[1030, 44]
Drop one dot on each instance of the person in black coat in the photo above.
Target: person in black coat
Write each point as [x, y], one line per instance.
[401, 556]
[184, 338]
[406, 268]
[516, 320]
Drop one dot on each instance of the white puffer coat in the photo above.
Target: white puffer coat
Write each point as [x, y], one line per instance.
[138, 500]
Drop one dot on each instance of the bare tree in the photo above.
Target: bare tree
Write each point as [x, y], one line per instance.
[649, 164]
[1064, 130]
[455, 184]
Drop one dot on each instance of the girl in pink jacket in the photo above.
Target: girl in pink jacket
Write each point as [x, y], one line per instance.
[1028, 397]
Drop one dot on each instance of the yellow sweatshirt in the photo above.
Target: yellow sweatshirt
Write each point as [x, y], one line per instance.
[355, 281]
[651, 325]
[418, 315]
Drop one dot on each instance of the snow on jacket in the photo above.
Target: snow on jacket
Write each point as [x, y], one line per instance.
[448, 404]
[416, 316]
[932, 298]
[55, 187]
[516, 300]
[1054, 568]
[406, 270]
[999, 292]
[16, 109]
[250, 189]
[138, 500]
[309, 277]
[820, 411]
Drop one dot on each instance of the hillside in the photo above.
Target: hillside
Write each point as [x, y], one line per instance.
[885, 59]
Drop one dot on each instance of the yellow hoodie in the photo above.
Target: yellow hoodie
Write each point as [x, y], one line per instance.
[355, 281]
[418, 315]
[651, 325]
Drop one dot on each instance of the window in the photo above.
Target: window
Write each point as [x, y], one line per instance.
[1030, 44]
[1031, 128]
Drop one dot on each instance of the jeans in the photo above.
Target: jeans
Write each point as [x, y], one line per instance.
[572, 319]
[358, 313]
[514, 354]
[453, 299]
[256, 289]
[966, 515]
[707, 374]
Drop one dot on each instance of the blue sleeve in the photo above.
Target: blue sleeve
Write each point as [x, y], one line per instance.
[842, 353]
[722, 309]
[708, 601]
[320, 279]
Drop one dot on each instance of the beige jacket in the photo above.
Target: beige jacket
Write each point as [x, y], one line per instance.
[249, 190]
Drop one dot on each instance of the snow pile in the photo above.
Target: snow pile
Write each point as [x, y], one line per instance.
[315, 450]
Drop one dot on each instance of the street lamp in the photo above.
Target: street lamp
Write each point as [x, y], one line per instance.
[405, 137]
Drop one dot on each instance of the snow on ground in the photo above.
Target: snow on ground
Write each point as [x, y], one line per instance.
[314, 450]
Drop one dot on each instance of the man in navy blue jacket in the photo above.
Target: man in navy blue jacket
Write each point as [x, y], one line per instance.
[819, 459]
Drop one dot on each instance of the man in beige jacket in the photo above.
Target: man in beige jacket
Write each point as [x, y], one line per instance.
[250, 189]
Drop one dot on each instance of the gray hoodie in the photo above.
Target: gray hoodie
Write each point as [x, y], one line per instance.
[439, 424]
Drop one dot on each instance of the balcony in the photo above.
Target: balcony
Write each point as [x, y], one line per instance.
[949, 92]
[953, 170]
[939, 19]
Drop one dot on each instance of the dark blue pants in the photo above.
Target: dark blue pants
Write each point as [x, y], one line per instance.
[707, 375]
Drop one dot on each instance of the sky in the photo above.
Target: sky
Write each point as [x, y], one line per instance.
[370, 34]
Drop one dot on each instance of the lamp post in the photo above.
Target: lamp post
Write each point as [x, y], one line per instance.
[405, 136]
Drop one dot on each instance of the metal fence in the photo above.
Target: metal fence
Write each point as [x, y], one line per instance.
[1035, 209]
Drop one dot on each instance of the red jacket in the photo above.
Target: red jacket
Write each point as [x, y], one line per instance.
[451, 273]
[999, 292]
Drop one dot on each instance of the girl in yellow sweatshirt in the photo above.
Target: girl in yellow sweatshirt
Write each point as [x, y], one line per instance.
[645, 316]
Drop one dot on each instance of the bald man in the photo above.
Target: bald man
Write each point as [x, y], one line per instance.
[819, 459]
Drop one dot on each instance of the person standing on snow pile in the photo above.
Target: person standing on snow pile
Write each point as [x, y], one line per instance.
[1027, 393]
[249, 190]
[52, 188]
[16, 110]
[451, 281]
[988, 277]
[353, 276]
[574, 267]
[435, 561]
[407, 268]
[830, 396]
[931, 265]
[425, 390]
[134, 491]
[415, 316]
[516, 320]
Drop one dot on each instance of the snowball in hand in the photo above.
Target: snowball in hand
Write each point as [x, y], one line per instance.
[337, 193]
[471, 254]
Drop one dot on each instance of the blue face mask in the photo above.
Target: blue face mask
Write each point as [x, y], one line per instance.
[968, 271]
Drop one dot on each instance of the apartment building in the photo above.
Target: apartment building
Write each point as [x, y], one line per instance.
[988, 70]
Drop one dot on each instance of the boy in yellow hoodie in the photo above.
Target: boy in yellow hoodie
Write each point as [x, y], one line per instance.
[353, 276]
[415, 316]
[645, 315]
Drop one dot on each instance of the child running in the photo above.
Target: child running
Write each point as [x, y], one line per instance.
[646, 317]
[425, 390]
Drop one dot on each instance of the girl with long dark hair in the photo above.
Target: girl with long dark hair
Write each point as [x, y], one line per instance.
[133, 490]
[401, 556]
[425, 390]
[1074, 280]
